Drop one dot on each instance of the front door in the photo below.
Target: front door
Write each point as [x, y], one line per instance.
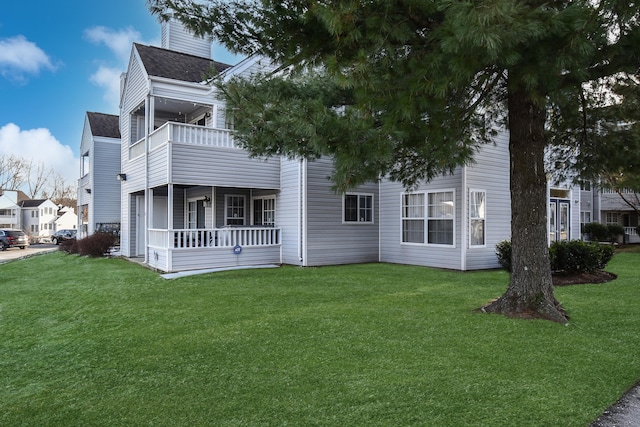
[559, 215]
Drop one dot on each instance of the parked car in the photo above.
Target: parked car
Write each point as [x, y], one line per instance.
[13, 238]
[62, 235]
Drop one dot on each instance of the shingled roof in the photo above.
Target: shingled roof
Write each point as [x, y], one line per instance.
[176, 65]
[106, 125]
[33, 203]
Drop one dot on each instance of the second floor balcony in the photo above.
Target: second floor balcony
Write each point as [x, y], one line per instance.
[186, 134]
[190, 154]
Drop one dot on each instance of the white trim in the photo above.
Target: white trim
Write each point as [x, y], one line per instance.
[484, 228]
[358, 222]
[426, 217]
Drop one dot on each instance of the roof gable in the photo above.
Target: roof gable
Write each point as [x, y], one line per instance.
[169, 64]
[107, 125]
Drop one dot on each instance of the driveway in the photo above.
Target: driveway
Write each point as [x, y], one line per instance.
[17, 253]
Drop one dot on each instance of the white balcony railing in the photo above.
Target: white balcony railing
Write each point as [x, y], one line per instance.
[227, 237]
[186, 134]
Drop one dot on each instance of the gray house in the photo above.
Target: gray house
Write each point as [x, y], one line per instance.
[191, 199]
[98, 189]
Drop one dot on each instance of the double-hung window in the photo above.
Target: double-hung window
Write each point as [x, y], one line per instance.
[413, 218]
[358, 208]
[234, 210]
[428, 218]
[477, 219]
[264, 211]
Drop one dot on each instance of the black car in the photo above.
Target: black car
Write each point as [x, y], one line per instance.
[13, 238]
[62, 235]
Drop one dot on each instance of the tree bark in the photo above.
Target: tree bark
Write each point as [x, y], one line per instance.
[530, 292]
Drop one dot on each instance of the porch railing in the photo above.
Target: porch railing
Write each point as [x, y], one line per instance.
[630, 231]
[227, 237]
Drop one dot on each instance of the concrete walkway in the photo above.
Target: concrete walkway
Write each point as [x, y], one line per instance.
[624, 413]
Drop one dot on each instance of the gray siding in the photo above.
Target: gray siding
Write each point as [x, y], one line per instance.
[329, 240]
[176, 37]
[491, 174]
[288, 215]
[198, 165]
[392, 250]
[196, 259]
[133, 94]
[106, 187]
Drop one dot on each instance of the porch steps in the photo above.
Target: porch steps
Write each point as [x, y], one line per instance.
[214, 270]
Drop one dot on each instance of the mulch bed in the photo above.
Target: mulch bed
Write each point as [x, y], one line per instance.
[582, 278]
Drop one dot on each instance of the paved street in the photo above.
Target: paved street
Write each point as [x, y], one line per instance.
[15, 253]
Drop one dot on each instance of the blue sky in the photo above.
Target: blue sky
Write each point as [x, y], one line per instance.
[59, 60]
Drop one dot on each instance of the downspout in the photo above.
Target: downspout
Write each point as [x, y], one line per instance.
[379, 221]
[147, 120]
[300, 211]
[463, 221]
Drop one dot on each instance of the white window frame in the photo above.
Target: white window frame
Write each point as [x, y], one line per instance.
[413, 211]
[262, 200]
[405, 215]
[359, 208]
[482, 216]
[227, 199]
[609, 215]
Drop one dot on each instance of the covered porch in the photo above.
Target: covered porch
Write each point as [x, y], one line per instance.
[198, 227]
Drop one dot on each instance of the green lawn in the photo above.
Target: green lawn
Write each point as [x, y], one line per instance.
[104, 342]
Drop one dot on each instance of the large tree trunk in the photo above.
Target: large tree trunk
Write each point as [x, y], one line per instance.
[530, 292]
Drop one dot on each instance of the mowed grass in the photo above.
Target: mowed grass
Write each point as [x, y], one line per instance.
[104, 342]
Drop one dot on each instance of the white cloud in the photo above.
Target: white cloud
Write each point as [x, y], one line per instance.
[40, 146]
[119, 42]
[108, 79]
[19, 56]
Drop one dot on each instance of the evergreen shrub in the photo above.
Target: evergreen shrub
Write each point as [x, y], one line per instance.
[566, 257]
[597, 232]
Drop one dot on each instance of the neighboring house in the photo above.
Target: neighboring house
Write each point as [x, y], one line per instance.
[38, 218]
[67, 219]
[10, 216]
[98, 186]
[191, 199]
[611, 209]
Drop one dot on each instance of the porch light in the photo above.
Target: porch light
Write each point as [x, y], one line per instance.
[206, 202]
[121, 177]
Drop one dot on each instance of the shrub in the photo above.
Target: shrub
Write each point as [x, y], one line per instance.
[597, 232]
[615, 230]
[69, 246]
[503, 252]
[576, 256]
[568, 257]
[96, 245]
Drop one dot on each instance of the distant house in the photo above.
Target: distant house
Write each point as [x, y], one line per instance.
[38, 218]
[607, 207]
[10, 216]
[67, 219]
[98, 186]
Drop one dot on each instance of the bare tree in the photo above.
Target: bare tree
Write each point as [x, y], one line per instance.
[37, 178]
[12, 171]
[61, 192]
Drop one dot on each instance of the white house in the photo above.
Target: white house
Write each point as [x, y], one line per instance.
[10, 216]
[38, 218]
[67, 219]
